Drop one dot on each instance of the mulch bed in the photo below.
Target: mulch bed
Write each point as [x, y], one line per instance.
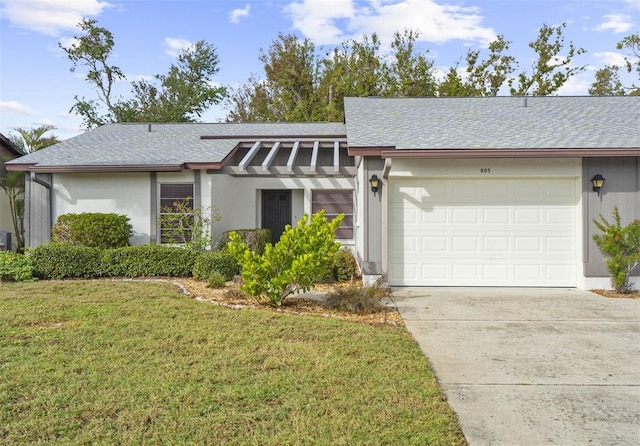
[614, 295]
[232, 297]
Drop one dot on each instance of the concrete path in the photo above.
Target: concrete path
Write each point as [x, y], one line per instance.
[532, 366]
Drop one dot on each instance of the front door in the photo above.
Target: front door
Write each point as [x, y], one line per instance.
[276, 211]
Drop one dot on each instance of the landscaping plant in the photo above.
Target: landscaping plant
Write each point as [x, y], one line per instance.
[298, 261]
[15, 267]
[621, 247]
[92, 229]
[186, 225]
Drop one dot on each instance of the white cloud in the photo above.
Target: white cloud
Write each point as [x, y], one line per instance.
[237, 14]
[174, 46]
[618, 23]
[332, 21]
[610, 58]
[15, 107]
[50, 16]
[575, 86]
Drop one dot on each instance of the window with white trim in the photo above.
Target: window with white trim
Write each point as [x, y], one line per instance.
[335, 202]
[176, 201]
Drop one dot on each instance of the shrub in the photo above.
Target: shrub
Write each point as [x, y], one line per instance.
[95, 230]
[621, 245]
[59, 261]
[216, 280]
[345, 266]
[255, 239]
[15, 267]
[298, 261]
[361, 300]
[149, 260]
[215, 261]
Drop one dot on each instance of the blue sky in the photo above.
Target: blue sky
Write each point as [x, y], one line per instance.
[36, 86]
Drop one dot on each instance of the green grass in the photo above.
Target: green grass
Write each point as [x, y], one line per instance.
[101, 362]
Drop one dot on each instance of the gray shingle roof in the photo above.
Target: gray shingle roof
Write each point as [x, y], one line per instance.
[494, 122]
[166, 144]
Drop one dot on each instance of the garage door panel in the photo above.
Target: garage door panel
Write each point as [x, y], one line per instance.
[508, 233]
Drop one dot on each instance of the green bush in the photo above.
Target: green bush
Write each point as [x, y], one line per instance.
[361, 300]
[95, 230]
[298, 261]
[216, 280]
[149, 260]
[345, 266]
[621, 246]
[15, 267]
[58, 261]
[215, 261]
[255, 239]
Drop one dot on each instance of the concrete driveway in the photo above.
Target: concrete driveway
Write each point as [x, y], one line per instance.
[532, 366]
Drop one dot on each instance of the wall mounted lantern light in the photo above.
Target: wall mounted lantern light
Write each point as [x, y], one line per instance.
[375, 183]
[597, 182]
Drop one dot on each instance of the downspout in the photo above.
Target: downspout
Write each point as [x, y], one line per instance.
[47, 186]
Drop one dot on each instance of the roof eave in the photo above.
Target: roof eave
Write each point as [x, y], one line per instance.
[391, 152]
[97, 168]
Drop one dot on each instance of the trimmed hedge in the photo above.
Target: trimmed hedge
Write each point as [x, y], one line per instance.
[95, 230]
[255, 239]
[58, 261]
[215, 261]
[149, 260]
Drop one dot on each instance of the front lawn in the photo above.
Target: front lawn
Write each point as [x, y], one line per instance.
[102, 362]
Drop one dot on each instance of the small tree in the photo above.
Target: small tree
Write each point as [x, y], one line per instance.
[12, 182]
[621, 245]
[184, 224]
[298, 261]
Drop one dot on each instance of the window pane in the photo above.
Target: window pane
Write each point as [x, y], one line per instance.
[176, 198]
[335, 202]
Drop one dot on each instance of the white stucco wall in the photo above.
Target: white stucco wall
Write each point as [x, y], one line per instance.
[119, 193]
[237, 199]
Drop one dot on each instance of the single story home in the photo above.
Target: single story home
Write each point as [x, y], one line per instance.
[495, 191]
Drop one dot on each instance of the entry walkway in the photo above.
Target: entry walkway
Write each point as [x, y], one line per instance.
[532, 366]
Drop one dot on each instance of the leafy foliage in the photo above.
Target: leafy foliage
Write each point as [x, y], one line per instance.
[15, 267]
[294, 264]
[186, 225]
[96, 230]
[608, 80]
[344, 265]
[216, 280]
[621, 245]
[550, 70]
[255, 239]
[215, 262]
[302, 84]
[33, 139]
[56, 261]
[182, 94]
[12, 183]
[149, 260]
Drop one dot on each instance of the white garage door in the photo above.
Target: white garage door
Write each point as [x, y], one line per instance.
[482, 232]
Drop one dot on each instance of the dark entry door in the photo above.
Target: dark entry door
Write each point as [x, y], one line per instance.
[276, 211]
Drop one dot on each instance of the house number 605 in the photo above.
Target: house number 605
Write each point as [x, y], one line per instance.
[485, 170]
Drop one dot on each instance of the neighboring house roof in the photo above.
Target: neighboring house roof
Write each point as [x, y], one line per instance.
[157, 147]
[8, 147]
[533, 122]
